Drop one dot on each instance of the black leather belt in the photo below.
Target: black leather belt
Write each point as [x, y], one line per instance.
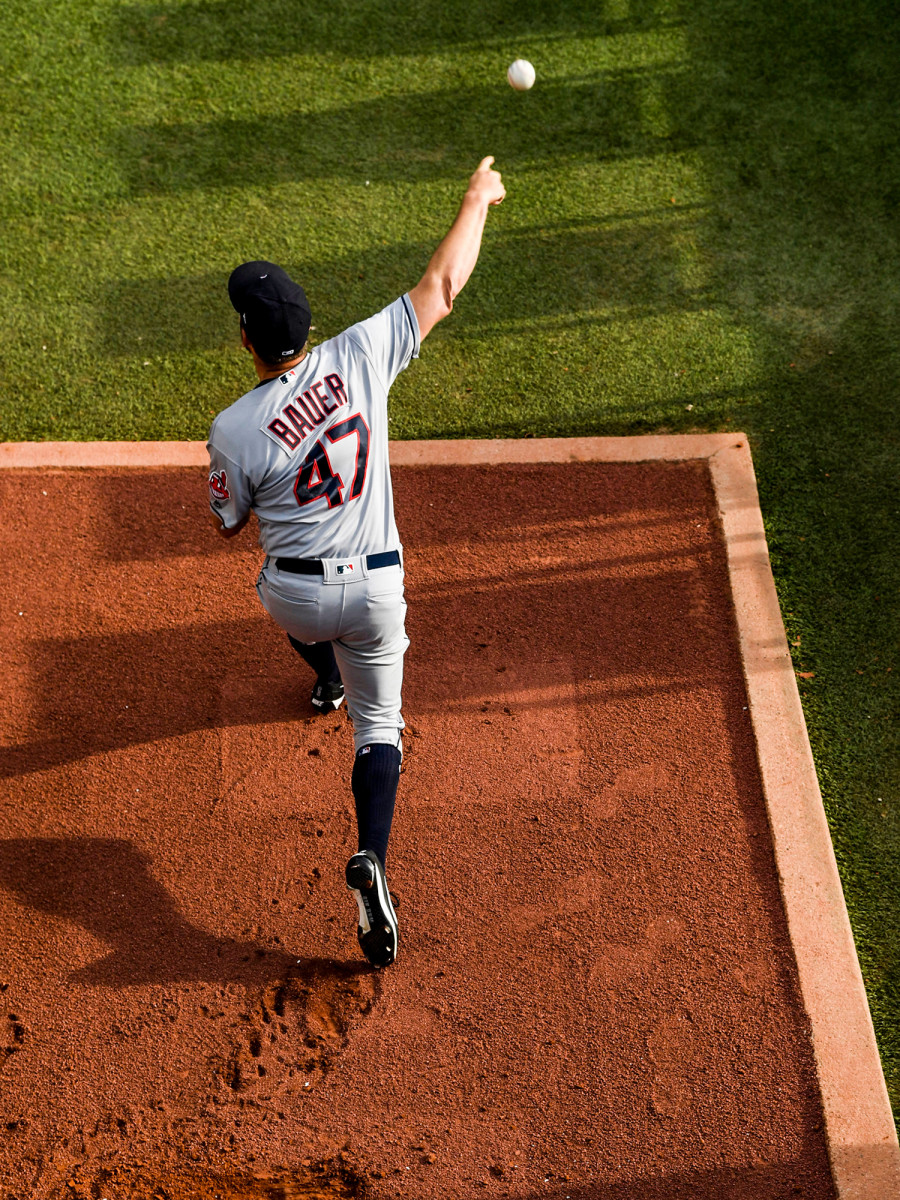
[313, 566]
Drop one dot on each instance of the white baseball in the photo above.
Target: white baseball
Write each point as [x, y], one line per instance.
[520, 75]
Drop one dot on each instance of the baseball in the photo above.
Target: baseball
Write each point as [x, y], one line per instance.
[520, 75]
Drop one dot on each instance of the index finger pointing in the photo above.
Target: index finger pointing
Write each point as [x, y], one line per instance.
[485, 163]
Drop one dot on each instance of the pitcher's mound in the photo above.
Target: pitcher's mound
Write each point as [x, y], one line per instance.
[595, 995]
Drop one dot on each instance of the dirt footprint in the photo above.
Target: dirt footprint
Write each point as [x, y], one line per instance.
[621, 961]
[640, 783]
[674, 1046]
[298, 1027]
[14, 1038]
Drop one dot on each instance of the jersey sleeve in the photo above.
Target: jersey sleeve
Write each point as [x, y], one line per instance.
[390, 339]
[230, 490]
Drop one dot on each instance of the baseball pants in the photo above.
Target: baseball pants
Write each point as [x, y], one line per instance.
[364, 621]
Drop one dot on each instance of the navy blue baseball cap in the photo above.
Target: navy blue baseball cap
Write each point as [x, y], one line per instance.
[273, 310]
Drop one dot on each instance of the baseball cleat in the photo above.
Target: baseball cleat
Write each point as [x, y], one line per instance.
[377, 933]
[327, 697]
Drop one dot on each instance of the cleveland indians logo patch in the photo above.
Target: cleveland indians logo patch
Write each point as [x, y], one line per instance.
[218, 486]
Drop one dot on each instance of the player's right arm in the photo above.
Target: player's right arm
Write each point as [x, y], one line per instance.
[455, 258]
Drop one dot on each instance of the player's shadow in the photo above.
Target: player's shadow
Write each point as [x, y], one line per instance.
[216, 30]
[106, 886]
[414, 138]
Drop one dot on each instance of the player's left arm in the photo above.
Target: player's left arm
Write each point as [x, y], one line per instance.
[230, 492]
[217, 522]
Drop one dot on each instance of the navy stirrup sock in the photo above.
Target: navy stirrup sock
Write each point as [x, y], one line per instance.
[320, 656]
[376, 773]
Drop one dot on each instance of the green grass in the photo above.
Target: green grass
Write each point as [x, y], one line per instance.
[702, 232]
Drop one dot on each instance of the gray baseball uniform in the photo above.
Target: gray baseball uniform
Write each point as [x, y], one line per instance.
[307, 451]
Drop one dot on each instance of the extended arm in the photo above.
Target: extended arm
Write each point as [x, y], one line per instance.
[455, 258]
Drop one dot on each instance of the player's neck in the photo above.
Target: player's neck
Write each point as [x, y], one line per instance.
[264, 371]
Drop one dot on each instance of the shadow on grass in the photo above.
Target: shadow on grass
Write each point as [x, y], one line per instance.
[215, 29]
[626, 268]
[409, 137]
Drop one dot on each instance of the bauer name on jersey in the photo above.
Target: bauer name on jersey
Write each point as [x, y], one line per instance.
[307, 451]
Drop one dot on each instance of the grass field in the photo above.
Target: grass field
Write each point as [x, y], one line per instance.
[702, 232]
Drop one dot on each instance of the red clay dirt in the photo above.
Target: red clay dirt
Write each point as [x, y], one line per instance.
[595, 996]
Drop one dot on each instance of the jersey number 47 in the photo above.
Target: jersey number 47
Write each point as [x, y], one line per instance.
[316, 477]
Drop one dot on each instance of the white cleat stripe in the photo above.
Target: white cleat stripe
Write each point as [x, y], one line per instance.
[364, 923]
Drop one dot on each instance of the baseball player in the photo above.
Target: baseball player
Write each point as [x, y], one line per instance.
[307, 451]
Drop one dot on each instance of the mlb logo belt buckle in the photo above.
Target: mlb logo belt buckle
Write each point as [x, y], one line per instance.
[344, 570]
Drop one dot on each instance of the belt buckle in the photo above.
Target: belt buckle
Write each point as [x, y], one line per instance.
[344, 570]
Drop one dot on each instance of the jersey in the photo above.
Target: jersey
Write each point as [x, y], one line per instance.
[307, 451]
